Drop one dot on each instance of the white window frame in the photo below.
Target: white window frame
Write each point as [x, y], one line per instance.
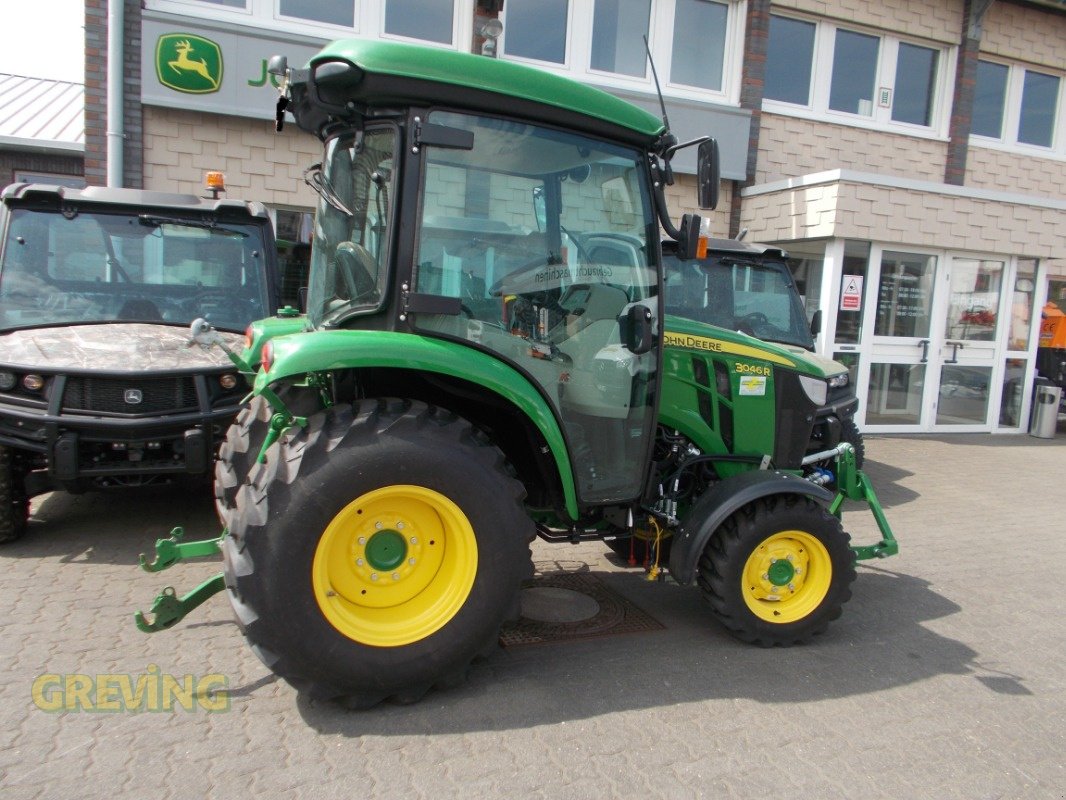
[369, 20]
[888, 54]
[1012, 113]
[578, 60]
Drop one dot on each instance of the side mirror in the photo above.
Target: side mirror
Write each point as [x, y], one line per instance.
[638, 329]
[816, 323]
[708, 174]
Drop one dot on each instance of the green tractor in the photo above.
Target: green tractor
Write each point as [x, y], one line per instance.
[485, 358]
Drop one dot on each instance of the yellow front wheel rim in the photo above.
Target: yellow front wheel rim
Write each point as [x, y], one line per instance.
[394, 566]
[787, 577]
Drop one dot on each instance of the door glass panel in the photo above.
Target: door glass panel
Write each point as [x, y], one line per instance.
[849, 318]
[904, 303]
[542, 238]
[895, 394]
[1010, 409]
[963, 395]
[974, 300]
[1021, 309]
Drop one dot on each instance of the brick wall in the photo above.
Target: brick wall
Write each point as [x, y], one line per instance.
[96, 94]
[11, 160]
[791, 147]
[1025, 34]
[939, 21]
[920, 219]
[180, 146]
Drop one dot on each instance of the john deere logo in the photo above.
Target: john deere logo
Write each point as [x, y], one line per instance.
[133, 396]
[188, 63]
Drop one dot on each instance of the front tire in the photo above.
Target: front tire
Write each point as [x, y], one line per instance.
[14, 502]
[377, 552]
[851, 434]
[778, 571]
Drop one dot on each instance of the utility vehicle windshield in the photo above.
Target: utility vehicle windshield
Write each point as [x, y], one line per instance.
[73, 267]
[740, 293]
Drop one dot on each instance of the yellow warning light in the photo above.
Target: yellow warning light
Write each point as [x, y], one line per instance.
[215, 182]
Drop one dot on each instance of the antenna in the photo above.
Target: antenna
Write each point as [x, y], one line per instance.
[658, 89]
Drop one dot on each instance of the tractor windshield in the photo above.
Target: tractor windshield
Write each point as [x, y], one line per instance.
[756, 297]
[349, 258]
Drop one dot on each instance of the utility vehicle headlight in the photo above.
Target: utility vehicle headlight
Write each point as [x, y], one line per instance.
[228, 381]
[815, 388]
[33, 382]
[7, 381]
[838, 380]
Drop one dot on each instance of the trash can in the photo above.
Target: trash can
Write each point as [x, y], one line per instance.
[1045, 416]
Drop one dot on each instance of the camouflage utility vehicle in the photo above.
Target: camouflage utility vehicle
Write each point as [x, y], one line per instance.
[98, 385]
[486, 358]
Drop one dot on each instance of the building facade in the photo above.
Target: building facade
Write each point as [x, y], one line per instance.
[909, 155]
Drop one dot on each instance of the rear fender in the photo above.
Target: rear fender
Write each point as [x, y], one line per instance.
[719, 502]
[329, 351]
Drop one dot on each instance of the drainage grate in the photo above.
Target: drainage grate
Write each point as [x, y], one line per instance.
[616, 614]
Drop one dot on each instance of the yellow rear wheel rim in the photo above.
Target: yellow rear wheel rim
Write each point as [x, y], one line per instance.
[394, 566]
[787, 577]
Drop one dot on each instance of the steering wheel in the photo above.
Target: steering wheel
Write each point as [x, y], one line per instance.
[748, 322]
[357, 268]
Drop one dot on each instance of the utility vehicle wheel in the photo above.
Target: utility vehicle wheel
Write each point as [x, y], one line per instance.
[14, 504]
[778, 571]
[851, 434]
[377, 552]
[240, 448]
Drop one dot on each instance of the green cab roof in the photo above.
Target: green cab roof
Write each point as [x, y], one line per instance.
[420, 73]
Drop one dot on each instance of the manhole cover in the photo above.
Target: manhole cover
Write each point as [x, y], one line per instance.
[552, 604]
[573, 605]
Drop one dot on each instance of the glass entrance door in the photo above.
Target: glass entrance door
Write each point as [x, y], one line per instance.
[935, 326]
[968, 333]
[902, 306]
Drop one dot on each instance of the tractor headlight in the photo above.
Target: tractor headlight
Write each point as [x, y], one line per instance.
[837, 381]
[816, 389]
[7, 381]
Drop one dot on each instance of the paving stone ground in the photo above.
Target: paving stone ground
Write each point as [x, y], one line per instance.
[944, 678]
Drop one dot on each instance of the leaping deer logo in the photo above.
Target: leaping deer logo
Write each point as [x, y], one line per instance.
[183, 63]
[188, 63]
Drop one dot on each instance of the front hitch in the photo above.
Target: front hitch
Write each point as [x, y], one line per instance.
[168, 609]
[852, 484]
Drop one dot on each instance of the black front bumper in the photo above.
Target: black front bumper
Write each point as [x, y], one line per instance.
[829, 423]
[61, 447]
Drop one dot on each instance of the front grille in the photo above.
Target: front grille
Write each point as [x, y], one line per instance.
[108, 395]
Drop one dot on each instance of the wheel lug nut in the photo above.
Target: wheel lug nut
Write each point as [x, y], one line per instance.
[789, 556]
[396, 576]
[378, 525]
[411, 561]
[362, 540]
[766, 576]
[359, 561]
[792, 587]
[399, 526]
[414, 540]
[373, 576]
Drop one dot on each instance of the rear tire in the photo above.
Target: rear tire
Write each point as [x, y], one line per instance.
[377, 552]
[14, 502]
[778, 571]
